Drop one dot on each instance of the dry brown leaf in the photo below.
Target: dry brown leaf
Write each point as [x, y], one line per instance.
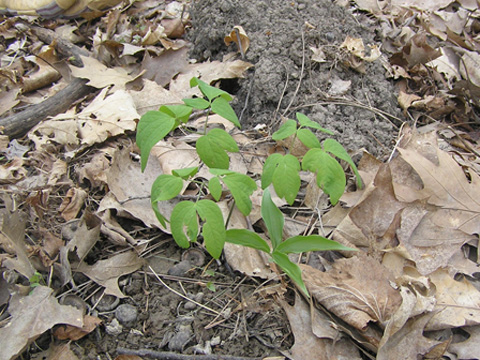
[32, 315]
[73, 201]
[99, 75]
[447, 187]
[467, 349]
[470, 67]
[56, 352]
[356, 289]
[248, 261]
[107, 272]
[46, 73]
[238, 33]
[12, 172]
[69, 332]
[409, 342]
[170, 61]
[307, 345]
[458, 302]
[416, 51]
[426, 5]
[152, 96]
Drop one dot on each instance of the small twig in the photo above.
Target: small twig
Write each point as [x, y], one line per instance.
[239, 43]
[181, 295]
[166, 355]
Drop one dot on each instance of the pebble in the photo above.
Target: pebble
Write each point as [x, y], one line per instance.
[114, 328]
[181, 338]
[106, 303]
[180, 269]
[126, 314]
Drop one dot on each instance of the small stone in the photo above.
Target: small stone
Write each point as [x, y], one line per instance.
[189, 305]
[180, 269]
[114, 328]
[126, 314]
[181, 338]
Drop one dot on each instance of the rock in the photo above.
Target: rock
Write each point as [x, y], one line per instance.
[126, 314]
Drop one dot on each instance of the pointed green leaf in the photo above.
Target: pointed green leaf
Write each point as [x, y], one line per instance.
[330, 176]
[248, 238]
[186, 172]
[209, 91]
[306, 122]
[300, 244]
[273, 218]
[334, 147]
[211, 148]
[215, 188]
[166, 187]
[180, 113]
[242, 187]
[221, 107]
[287, 129]
[291, 269]
[269, 169]
[286, 178]
[184, 223]
[152, 127]
[213, 229]
[308, 138]
[220, 172]
[197, 103]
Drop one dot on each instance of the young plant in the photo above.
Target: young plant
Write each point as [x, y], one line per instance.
[279, 249]
[203, 216]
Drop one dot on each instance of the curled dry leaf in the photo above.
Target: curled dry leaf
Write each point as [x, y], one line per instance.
[239, 37]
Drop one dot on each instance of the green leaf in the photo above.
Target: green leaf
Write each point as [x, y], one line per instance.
[213, 229]
[215, 188]
[248, 238]
[330, 176]
[152, 127]
[308, 138]
[220, 172]
[186, 172]
[269, 168]
[211, 148]
[180, 113]
[287, 129]
[286, 179]
[291, 269]
[334, 147]
[166, 187]
[184, 223]
[209, 91]
[242, 187]
[197, 103]
[273, 218]
[299, 244]
[221, 107]
[305, 121]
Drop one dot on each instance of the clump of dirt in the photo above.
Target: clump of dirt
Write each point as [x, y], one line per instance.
[276, 29]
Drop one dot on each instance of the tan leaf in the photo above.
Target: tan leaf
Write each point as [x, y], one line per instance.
[170, 61]
[467, 349]
[32, 315]
[107, 272]
[69, 332]
[99, 75]
[239, 37]
[12, 172]
[356, 289]
[458, 302]
[72, 203]
[447, 187]
[470, 67]
[56, 352]
[152, 96]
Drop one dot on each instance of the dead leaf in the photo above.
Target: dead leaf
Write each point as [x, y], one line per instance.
[73, 201]
[170, 61]
[69, 332]
[32, 315]
[467, 349]
[99, 75]
[152, 96]
[107, 272]
[356, 289]
[56, 352]
[470, 67]
[12, 172]
[239, 37]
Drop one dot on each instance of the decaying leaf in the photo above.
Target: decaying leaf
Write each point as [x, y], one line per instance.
[356, 289]
[72, 203]
[239, 37]
[69, 332]
[32, 315]
[107, 272]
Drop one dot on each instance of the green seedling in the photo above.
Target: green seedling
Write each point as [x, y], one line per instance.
[277, 248]
[202, 217]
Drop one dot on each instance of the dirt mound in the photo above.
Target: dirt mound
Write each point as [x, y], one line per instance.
[275, 29]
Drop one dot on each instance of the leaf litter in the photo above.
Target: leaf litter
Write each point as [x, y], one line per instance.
[412, 290]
